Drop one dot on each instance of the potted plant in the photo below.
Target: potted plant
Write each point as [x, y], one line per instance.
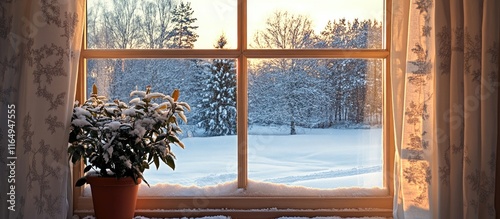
[118, 141]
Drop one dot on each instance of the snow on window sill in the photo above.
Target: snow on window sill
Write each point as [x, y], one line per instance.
[254, 188]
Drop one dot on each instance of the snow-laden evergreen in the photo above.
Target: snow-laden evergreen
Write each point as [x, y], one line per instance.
[183, 34]
[217, 110]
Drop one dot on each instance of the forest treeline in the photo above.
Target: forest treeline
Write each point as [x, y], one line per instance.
[314, 93]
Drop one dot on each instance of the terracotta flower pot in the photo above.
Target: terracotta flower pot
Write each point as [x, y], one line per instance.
[113, 198]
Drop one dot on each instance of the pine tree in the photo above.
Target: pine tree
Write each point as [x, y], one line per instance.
[183, 34]
[217, 114]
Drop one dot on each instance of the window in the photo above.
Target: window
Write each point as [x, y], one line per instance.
[307, 104]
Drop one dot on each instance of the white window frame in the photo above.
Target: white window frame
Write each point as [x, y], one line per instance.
[254, 207]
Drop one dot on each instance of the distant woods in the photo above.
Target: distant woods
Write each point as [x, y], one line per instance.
[153, 24]
[314, 93]
[317, 93]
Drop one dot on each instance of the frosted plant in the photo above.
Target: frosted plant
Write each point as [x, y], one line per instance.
[122, 140]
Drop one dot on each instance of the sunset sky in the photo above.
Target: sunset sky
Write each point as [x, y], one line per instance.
[219, 16]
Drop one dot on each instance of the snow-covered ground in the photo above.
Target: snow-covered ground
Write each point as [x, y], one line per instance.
[313, 162]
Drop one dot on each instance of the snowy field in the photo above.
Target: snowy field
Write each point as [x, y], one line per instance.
[322, 161]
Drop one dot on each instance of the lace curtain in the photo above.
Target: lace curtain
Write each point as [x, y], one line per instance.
[40, 45]
[445, 68]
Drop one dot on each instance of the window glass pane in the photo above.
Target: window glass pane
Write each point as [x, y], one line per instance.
[316, 122]
[310, 24]
[160, 24]
[208, 85]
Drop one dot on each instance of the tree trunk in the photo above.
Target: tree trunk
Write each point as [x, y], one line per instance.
[292, 128]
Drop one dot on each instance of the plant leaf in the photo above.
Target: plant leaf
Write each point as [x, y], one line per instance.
[160, 137]
[72, 137]
[150, 157]
[145, 181]
[87, 168]
[185, 105]
[170, 162]
[176, 94]
[75, 157]
[180, 144]
[81, 182]
[183, 117]
[173, 120]
[157, 161]
[145, 164]
[94, 89]
[173, 138]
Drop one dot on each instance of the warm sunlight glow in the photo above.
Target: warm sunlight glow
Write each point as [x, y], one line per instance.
[320, 11]
[219, 16]
[216, 17]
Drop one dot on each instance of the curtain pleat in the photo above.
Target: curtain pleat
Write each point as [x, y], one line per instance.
[454, 118]
[450, 116]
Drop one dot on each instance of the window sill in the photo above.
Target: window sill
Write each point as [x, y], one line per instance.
[256, 213]
[255, 207]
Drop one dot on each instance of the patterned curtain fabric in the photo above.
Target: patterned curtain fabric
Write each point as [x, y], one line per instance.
[445, 82]
[40, 45]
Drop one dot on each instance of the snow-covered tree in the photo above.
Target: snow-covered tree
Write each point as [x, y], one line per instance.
[292, 97]
[139, 24]
[347, 81]
[282, 85]
[285, 31]
[155, 22]
[123, 24]
[217, 111]
[183, 34]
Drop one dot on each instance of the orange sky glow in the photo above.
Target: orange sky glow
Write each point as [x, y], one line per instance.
[219, 16]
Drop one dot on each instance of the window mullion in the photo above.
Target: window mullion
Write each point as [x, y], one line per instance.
[249, 53]
[389, 139]
[242, 96]
[317, 53]
[242, 121]
[159, 53]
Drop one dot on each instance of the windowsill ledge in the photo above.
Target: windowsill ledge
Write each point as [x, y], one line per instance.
[255, 213]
